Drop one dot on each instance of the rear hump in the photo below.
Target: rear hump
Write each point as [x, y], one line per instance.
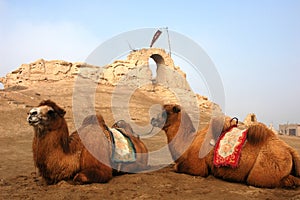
[258, 134]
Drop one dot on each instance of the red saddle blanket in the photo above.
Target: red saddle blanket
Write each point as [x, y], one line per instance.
[228, 148]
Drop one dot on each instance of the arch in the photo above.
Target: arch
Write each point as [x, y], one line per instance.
[158, 55]
[154, 61]
[158, 59]
[1, 86]
[153, 66]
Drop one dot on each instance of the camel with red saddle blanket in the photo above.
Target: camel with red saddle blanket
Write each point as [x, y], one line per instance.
[85, 156]
[264, 160]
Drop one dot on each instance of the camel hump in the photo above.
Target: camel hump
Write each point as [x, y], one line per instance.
[125, 128]
[258, 133]
[93, 119]
[220, 124]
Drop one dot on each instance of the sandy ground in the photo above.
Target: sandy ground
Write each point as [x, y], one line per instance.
[18, 177]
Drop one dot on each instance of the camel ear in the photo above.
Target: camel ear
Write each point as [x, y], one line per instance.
[62, 112]
[176, 109]
[59, 112]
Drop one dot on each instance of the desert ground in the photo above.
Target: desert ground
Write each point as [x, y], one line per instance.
[19, 179]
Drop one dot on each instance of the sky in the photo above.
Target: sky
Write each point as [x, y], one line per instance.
[254, 45]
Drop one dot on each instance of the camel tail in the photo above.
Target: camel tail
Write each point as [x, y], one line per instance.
[296, 162]
[258, 134]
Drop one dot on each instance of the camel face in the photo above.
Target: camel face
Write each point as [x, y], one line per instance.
[40, 115]
[160, 120]
[169, 112]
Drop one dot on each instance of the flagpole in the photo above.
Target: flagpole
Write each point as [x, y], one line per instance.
[168, 41]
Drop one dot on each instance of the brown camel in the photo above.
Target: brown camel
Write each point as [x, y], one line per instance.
[84, 156]
[265, 161]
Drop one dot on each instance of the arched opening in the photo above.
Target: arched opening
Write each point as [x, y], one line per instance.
[154, 62]
[153, 67]
[1, 86]
[158, 59]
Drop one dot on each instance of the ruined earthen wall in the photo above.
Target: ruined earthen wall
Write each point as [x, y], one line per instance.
[133, 70]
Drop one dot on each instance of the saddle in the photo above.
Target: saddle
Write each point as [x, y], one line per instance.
[123, 150]
[229, 146]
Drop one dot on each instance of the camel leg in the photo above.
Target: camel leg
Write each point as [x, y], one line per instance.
[190, 163]
[94, 175]
[290, 181]
[199, 168]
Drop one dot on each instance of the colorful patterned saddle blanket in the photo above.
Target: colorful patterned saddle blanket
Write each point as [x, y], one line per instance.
[122, 147]
[229, 146]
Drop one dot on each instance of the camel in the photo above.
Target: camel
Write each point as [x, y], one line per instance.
[265, 160]
[84, 156]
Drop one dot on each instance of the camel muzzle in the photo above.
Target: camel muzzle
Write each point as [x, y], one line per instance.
[33, 117]
[160, 120]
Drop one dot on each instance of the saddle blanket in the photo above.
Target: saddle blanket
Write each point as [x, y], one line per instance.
[228, 148]
[123, 148]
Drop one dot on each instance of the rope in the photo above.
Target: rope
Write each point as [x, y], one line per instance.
[134, 131]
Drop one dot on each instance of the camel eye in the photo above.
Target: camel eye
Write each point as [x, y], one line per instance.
[51, 112]
[176, 109]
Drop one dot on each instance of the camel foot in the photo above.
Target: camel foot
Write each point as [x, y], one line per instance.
[290, 182]
[92, 176]
[80, 178]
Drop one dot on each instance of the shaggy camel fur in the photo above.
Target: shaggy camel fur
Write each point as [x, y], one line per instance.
[84, 156]
[266, 161]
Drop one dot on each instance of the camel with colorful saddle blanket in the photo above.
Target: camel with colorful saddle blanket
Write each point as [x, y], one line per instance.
[255, 155]
[89, 155]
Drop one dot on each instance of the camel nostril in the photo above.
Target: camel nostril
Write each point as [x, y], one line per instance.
[34, 113]
[29, 119]
[154, 122]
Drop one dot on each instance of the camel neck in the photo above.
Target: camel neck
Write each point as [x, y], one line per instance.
[179, 139]
[56, 138]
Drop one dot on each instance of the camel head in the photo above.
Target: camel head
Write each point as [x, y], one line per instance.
[45, 115]
[178, 127]
[170, 113]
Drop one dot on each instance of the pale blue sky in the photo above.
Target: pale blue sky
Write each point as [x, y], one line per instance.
[255, 45]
